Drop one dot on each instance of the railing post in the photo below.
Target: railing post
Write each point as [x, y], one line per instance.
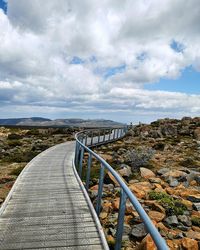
[114, 134]
[110, 132]
[117, 133]
[77, 154]
[100, 190]
[99, 136]
[91, 138]
[88, 171]
[120, 221]
[81, 162]
[104, 135]
[85, 139]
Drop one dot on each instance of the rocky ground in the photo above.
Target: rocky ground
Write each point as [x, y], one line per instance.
[160, 163]
[19, 146]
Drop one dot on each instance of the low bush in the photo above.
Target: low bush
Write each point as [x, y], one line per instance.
[172, 206]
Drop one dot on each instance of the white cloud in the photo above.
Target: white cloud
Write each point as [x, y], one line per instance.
[38, 40]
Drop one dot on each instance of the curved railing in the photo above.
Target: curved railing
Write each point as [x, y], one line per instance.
[89, 138]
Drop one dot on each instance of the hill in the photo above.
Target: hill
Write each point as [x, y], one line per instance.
[43, 122]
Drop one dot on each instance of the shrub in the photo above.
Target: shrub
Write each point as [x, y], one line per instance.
[139, 157]
[196, 221]
[172, 206]
[14, 143]
[14, 137]
[17, 170]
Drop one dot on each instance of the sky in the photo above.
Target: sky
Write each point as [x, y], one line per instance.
[128, 60]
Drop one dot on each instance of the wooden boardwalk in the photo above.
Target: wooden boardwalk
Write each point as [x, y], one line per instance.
[46, 208]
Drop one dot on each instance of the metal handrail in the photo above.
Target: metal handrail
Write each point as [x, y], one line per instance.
[82, 145]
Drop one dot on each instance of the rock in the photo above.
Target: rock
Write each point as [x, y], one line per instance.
[126, 230]
[140, 189]
[187, 203]
[174, 173]
[197, 134]
[171, 220]
[93, 194]
[1, 201]
[103, 215]
[115, 203]
[125, 171]
[185, 220]
[197, 179]
[182, 227]
[146, 173]
[162, 171]
[196, 206]
[155, 180]
[110, 239]
[172, 181]
[194, 198]
[110, 179]
[189, 244]
[147, 244]
[193, 235]
[138, 231]
[174, 244]
[106, 157]
[157, 216]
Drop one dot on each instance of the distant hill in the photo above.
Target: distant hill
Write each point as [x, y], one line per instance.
[43, 122]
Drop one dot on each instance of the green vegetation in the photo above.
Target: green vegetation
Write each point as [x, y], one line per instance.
[196, 221]
[20, 157]
[171, 205]
[14, 143]
[17, 170]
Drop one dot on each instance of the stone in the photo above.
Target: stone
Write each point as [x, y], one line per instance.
[147, 244]
[125, 171]
[103, 215]
[189, 244]
[174, 173]
[194, 198]
[196, 206]
[138, 231]
[146, 173]
[185, 220]
[187, 203]
[157, 216]
[158, 207]
[193, 235]
[171, 220]
[115, 203]
[106, 157]
[109, 178]
[110, 239]
[174, 244]
[172, 181]
[182, 227]
[155, 180]
[197, 134]
[162, 171]
[140, 189]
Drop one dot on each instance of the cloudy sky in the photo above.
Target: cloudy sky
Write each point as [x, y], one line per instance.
[131, 60]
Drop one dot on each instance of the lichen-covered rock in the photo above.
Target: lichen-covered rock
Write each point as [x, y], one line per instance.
[138, 231]
[146, 173]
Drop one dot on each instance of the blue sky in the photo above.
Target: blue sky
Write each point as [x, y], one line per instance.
[188, 82]
[3, 5]
[128, 60]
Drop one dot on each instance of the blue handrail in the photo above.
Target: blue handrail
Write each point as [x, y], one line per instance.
[89, 138]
